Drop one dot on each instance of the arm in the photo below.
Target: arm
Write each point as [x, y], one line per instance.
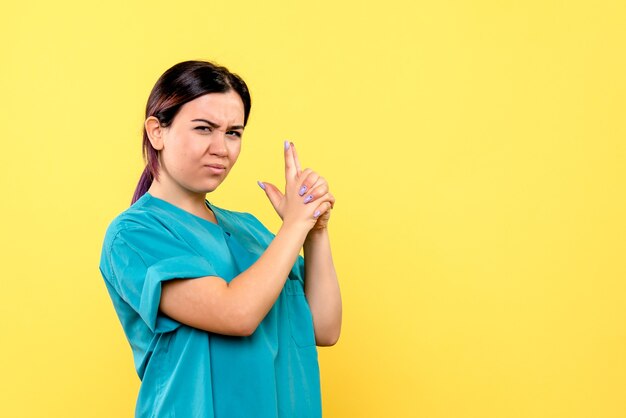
[237, 308]
[322, 287]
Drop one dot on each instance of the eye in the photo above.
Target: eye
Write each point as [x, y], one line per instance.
[203, 128]
[234, 133]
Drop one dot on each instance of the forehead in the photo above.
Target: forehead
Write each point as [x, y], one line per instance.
[221, 108]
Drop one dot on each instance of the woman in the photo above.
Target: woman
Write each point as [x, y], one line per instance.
[223, 316]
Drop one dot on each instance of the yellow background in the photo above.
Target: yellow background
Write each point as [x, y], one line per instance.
[476, 150]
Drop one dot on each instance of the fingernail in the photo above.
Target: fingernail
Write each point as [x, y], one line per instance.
[308, 198]
[261, 185]
[316, 214]
[302, 190]
[286, 145]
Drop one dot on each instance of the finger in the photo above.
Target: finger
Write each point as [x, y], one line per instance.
[331, 200]
[321, 209]
[328, 197]
[308, 179]
[295, 159]
[316, 192]
[273, 193]
[290, 167]
[318, 182]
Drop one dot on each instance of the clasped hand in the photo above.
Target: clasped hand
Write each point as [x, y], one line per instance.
[307, 200]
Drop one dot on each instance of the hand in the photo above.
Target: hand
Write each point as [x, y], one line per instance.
[319, 185]
[306, 197]
[322, 221]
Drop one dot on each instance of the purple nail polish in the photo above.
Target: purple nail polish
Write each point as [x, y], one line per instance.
[302, 190]
[308, 198]
[286, 145]
[316, 214]
[261, 185]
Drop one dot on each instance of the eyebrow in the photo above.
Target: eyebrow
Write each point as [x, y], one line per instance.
[215, 125]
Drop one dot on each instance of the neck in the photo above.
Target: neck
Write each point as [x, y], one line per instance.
[184, 199]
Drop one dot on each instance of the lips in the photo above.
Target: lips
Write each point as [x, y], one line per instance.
[218, 166]
[216, 169]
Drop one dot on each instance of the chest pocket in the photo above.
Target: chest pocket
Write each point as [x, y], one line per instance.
[299, 313]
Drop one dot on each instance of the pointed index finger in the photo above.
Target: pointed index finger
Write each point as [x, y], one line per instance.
[295, 160]
[290, 165]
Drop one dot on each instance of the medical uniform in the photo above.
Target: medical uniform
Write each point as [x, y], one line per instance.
[188, 372]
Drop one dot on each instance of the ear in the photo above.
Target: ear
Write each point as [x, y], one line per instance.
[155, 132]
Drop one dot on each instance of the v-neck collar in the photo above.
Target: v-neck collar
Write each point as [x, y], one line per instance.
[167, 205]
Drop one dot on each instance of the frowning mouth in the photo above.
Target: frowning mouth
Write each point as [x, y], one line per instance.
[216, 168]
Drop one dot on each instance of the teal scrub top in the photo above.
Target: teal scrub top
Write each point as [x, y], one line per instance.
[188, 372]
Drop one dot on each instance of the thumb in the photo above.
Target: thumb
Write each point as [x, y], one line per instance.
[274, 195]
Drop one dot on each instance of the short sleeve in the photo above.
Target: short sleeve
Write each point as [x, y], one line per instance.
[141, 259]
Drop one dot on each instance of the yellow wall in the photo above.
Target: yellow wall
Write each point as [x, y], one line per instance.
[476, 150]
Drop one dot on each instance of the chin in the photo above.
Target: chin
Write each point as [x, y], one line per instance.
[207, 188]
[207, 184]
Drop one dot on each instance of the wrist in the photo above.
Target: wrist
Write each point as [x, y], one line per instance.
[295, 230]
[316, 234]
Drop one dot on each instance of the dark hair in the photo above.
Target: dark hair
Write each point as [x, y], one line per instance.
[178, 85]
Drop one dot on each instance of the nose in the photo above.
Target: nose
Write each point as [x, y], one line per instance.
[218, 144]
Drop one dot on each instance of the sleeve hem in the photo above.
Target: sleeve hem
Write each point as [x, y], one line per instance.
[180, 267]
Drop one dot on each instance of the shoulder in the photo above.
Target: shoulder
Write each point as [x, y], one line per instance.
[137, 219]
[138, 238]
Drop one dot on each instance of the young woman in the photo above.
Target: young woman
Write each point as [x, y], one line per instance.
[223, 316]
